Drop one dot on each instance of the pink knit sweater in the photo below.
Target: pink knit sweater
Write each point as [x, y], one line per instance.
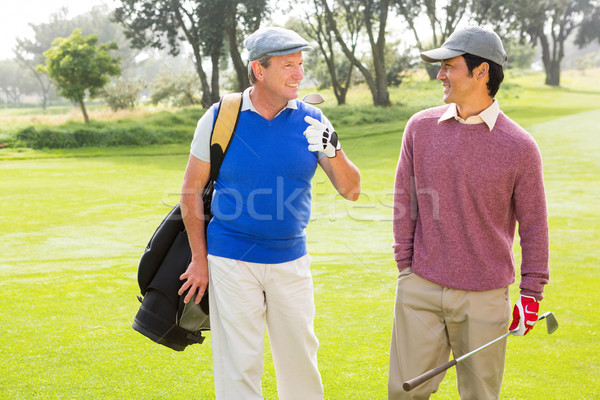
[459, 191]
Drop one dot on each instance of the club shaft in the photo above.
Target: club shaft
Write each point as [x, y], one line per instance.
[469, 354]
[411, 384]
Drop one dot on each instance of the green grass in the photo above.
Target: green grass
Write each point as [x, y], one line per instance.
[75, 222]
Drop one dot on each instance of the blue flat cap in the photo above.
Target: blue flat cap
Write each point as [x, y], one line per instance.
[274, 41]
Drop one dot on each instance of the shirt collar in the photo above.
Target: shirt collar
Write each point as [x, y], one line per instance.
[247, 103]
[489, 115]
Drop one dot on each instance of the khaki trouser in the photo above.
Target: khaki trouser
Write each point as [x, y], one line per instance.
[242, 297]
[430, 321]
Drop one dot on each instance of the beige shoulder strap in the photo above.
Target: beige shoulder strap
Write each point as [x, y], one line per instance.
[223, 130]
[227, 118]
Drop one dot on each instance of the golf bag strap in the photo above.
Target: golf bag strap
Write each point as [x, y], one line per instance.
[226, 121]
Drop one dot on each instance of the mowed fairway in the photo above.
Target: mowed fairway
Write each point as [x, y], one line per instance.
[73, 225]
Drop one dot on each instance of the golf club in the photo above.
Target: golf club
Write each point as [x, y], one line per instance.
[551, 327]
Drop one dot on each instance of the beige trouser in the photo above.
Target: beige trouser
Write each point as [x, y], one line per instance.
[242, 296]
[430, 321]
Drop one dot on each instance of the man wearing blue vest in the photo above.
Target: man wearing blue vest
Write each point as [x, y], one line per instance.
[254, 252]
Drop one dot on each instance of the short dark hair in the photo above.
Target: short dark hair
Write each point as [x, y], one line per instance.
[265, 61]
[496, 73]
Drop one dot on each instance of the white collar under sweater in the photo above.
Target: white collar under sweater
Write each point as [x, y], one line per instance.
[247, 103]
[489, 115]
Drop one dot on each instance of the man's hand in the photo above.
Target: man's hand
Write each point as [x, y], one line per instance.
[525, 315]
[320, 138]
[196, 279]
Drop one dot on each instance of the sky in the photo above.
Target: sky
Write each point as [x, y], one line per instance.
[16, 17]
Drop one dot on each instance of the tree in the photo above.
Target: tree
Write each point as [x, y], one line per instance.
[398, 63]
[121, 94]
[247, 19]
[13, 82]
[590, 26]
[547, 23]
[442, 22]
[204, 24]
[589, 60]
[520, 55]
[374, 14]
[181, 89]
[29, 51]
[76, 66]
[316, 27]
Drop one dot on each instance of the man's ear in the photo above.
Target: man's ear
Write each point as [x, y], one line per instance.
[257, 68]
[482, 70]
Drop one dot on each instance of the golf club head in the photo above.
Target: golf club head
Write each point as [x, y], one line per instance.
[551, 322]
[313, 98]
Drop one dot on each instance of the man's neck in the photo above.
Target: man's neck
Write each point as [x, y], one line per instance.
[265, 105]
[474, 107]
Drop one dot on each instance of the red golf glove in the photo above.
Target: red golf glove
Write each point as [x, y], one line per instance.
[525, 315]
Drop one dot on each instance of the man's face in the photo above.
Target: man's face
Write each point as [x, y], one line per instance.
[459, 86]
[283, 76]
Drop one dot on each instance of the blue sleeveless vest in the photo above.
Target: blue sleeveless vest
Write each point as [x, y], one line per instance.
[262, 199]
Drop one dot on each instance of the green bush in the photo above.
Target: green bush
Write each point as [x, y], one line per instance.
[166, 127]
[365, 115]
[104, 136]
[46, 138]
[160, 128]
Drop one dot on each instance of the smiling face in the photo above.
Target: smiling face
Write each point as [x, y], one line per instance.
[459, 85]
[282, 77]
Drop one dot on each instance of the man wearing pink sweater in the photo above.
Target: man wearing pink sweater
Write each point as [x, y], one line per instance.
[467, 174]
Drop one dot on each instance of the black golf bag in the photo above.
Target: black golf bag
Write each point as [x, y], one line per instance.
[163, 316]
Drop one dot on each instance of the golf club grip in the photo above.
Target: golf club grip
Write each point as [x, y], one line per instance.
[413, 383]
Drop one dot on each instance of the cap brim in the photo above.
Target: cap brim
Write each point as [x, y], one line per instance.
[289, 51]
[435, 55]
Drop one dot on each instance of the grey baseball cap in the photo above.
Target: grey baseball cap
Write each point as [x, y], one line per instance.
[274, 41]
[474, 40]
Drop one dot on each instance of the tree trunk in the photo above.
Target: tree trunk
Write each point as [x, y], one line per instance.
[206, 92]
[342, 97]
[45, 89]
[553, 73]
[322, 35]
[340, 94]
[381, 96]
[339, 90]
[38, 76]
[84, 111]
[241, 70]
[377, 87]
[214, 80]
[551, 63]
[344, 89]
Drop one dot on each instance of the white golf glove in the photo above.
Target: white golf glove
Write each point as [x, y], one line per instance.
[320, 138]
